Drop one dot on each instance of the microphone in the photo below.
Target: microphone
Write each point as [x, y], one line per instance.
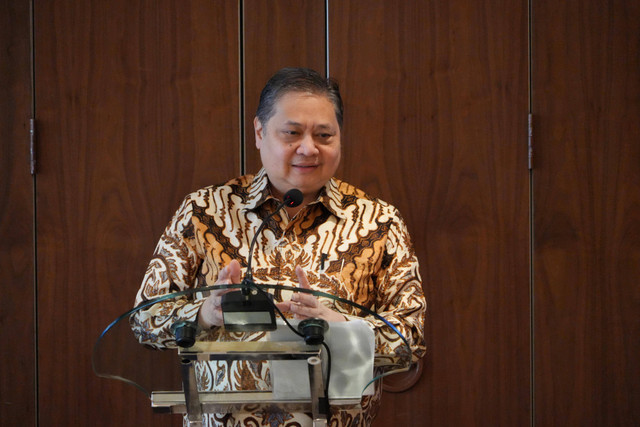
[248, 310]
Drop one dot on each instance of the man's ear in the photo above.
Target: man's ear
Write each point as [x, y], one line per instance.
[257, 127]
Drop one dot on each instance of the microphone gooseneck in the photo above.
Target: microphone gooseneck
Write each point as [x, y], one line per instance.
[251, 308]
[291, 199]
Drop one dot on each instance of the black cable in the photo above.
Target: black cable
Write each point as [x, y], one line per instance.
[191, 291]
[325, 405]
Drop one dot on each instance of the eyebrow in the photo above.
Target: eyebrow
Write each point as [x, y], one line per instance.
[320, 126]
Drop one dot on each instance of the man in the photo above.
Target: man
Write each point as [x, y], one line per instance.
[338, 240]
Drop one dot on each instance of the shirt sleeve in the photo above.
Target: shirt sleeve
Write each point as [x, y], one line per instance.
[399, 296]
[172, 268]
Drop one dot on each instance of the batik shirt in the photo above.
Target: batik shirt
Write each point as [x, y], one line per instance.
[349, 244]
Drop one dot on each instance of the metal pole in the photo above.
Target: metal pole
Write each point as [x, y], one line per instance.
[191, 395]
[316, 383]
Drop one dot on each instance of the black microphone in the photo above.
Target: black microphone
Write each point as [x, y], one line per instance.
[248, 310]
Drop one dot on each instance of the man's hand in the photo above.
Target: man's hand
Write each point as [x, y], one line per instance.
[304, 306]
[210, 313]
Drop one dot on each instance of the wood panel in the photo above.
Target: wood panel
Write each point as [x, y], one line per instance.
[277, 34]
[138, 105]
[586, 101]
[17, 329]
[436, 104]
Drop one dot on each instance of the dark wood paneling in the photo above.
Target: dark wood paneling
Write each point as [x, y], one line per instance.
[17, 338]
[277, 33]
[586, 98]
[138, 105]
[436, 104]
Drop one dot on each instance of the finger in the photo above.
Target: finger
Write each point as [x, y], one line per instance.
[234, 271]
[302, 278]
[284, 306]
[229, 274]
[304, 298]
[223, 276]
[300, 311]
[209, 314]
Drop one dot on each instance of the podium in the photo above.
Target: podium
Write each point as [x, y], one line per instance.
[299, 371]
[194, 402]
[287, 357]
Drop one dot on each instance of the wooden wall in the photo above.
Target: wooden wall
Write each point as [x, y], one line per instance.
[17, 285]
[137, 105]
[436, 123]
[530, 276]
[586, 101]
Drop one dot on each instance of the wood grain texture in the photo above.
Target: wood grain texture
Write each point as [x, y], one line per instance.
[17, 328]
[138, 105]
[586, 101]
[277, 34]
[435, 123]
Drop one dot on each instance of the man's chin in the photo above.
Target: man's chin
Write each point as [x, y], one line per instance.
[308, 191]
[309, 187]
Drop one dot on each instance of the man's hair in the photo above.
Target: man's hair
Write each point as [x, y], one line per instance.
[297, 80]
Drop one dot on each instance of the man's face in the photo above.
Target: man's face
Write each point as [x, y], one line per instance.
[300, 144]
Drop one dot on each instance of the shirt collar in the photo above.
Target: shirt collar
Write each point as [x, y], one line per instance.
[259, 191]
[329, 197]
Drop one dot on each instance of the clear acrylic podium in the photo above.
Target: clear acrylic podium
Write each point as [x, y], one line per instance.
[298, 370]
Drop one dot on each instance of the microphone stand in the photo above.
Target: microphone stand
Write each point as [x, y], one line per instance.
[249, 310]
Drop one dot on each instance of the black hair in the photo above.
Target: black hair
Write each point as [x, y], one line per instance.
[298, 80]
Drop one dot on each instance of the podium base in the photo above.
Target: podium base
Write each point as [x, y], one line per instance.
[236, 401]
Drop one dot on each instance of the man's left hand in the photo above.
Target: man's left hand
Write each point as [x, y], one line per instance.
[304, 306]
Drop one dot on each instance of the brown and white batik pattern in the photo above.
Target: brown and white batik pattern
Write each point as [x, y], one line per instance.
[349, 244]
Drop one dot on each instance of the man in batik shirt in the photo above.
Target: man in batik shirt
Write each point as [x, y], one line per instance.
[338, 241]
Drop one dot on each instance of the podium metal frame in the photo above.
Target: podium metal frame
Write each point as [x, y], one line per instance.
[195, 403]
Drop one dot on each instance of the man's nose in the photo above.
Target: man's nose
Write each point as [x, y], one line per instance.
[307, 146]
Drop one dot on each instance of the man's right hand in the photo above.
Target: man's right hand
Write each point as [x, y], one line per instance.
[210, 313]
